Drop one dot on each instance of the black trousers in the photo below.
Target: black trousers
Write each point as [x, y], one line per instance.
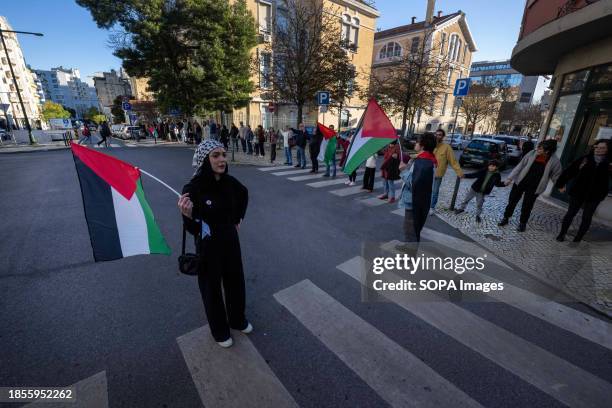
[353, 176]
[244, 145]
[314, 153]
[588, 209]
[368, 178]
[223, 270]
[529, 199]
[273, 152]
[103, 140]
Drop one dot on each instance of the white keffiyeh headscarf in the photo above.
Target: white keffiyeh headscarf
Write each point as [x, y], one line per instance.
[204, 150]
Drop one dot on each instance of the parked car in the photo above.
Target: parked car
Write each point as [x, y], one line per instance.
[480, 150]
[455, 140]
[117, 129]
[127, 132]
[514, 146]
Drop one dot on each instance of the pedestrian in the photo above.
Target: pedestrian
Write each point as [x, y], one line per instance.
[370, 173]
[198, 132]
[104, 133]
[330, 166]
[345, 143]
[486, 179]
[390, 171]
[273, 137]
[86, 133]
[526, 147]
[529, 179]
[314, 148]
[224, 137]
[288, 143]
[590, 186]
[415, 197]
[234, 136]
[261, 139]
[242, 135]
[205, 131]
[300, 141]
[219, 201]
[214, 129]
[444, 155]
[250, 137]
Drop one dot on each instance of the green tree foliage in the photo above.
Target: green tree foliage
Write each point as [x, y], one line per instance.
[196, 53]
[52, 110]
[117, 110]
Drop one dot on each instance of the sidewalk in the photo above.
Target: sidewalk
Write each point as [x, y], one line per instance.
[27, 148]
[583, 270]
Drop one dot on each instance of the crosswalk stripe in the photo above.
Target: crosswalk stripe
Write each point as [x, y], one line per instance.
[343, 192]
[235, 377]
[91, 392]
[398, 376]
[562, 380]
[341, 178]
[270, 168]
[307, 177]
[375, 201]
[288, 173]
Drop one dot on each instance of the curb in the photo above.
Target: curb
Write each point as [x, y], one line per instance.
[31, 149]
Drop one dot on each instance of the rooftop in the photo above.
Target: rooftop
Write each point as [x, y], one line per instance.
[417, 26]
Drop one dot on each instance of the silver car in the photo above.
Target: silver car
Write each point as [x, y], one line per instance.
[514, 146]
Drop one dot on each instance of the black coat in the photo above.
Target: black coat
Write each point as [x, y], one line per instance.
[588, 181]
[494, 181]
[301, 138]
[422, 181]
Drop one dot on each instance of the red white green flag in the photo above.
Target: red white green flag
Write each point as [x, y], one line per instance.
[119, 218]
[375, 132]
[328, 144]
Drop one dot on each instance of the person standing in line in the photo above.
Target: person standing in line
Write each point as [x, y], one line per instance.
[486, 179]
[301, 139]
[250, 138]
[273, 136]
[216, 199]
[444, 155]
[526, 147]
[370, 174]
[214, 130]
[346, 143]
[234, 136]
[415, 197]
[261, 140]
[242, 135]
[224, 137]
[314, 148]
[330, 166]
[104, 133]
[529, 179]
[287, 143]
[591, 181]
[198, 132]
[390, 171]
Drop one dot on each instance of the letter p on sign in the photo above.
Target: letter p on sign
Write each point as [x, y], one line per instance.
[462, 86]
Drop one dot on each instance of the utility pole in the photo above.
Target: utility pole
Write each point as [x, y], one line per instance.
[8, 60]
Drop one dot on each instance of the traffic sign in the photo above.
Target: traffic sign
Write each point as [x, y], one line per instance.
[174, 111]
[462, 86]
[323, 98]
[126, 106]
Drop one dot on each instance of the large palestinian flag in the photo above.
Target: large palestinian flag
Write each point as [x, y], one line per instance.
[375, 131]
[328, 144]
[119, 219]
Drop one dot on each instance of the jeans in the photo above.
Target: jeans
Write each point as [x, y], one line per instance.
[353, 176]
[435, 191]
[331, 165]
[468, 197]
[288, 157]
[588, 209]
[529, 200]
[390, 188]
[301, 157]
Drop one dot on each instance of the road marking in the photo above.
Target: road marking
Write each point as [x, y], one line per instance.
[91, 392]
[399, 377]
[234, 377]
[560, 379]
[288, 173]
[341, 178]
[375, 201]
[270, 168]
[347, 191]
[308, 177]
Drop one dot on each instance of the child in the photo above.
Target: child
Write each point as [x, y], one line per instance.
[390, 171]
[486, 179]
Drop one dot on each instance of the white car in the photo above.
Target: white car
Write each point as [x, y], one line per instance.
[514, 146]
[455, 140]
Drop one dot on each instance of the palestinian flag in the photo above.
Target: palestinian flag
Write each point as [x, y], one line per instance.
[328, 144]
[375, 132]
[119, 219]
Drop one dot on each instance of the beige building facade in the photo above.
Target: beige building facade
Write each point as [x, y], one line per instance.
[448, 39]
[140, 89]
[357, 21]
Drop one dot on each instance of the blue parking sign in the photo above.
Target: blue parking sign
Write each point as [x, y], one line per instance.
[323, 98]
[462, 86]
[126, 106]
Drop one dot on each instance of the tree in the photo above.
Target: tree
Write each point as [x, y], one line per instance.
[196, 54]
[480, 103]
[529, 116]
[117, 110]
[308, 55]
[52, 110]
[70, 110]
[344, 87]
[412, 81]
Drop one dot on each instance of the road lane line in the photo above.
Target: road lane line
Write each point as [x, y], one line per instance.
[235, 377]
[288, 173]
[270, 168]
[308, 177]
[399, 377]
[560, 379]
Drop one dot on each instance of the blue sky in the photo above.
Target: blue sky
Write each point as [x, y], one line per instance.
[73, 40]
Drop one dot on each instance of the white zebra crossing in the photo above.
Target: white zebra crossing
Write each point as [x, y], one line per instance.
[560, 379]
[398, 376]
[291, 172]
[91, 392]
[271, 168]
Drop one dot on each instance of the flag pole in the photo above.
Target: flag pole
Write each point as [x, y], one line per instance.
[159, 181]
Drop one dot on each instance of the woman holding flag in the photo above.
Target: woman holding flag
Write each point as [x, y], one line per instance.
[213, 204]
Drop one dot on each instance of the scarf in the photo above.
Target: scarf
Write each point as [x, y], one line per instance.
[428, 156]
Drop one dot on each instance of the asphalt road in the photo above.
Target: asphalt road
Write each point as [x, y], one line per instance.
[65, 318]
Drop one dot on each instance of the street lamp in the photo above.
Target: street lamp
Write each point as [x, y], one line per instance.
[8, 60]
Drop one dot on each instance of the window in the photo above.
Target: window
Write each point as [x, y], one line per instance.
[442, 43]
[265, 65]
[355, 32]
[525, 97]
[415, 45]
[448, 76]
[390, 50]
[265, 17]
[444, 104]
[451, 46]
[350, 31]
[458, 47]
[465, 51]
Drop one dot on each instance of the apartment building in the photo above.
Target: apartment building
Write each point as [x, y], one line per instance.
[64, 86]
[111, 84]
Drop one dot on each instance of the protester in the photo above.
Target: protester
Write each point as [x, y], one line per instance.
[415, 197]
[314, 147]
[234, 136]
[444, 155]
[224, 137]
[529, 179]
[486, 179]
[104, 133]
[591, 180]
[390, 171]
[346, 143]
[218, 200]
[214, 130]
[526, 147]
[242, 135]
[260, 135]
[198, 133]
[273, 137]
[287, 143]
[250, 137]
[300, 141]
[370, 173]
[206, 131]
[86, 133]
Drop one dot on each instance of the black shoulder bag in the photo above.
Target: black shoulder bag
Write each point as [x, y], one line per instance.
[189, 264]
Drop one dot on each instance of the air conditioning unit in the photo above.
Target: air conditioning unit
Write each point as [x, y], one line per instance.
[267, 38]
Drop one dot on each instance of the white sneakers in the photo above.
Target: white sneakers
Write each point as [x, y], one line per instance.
[432, 211]
[347, 182]
[352, 183]
[229, 342]
[248, 329]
